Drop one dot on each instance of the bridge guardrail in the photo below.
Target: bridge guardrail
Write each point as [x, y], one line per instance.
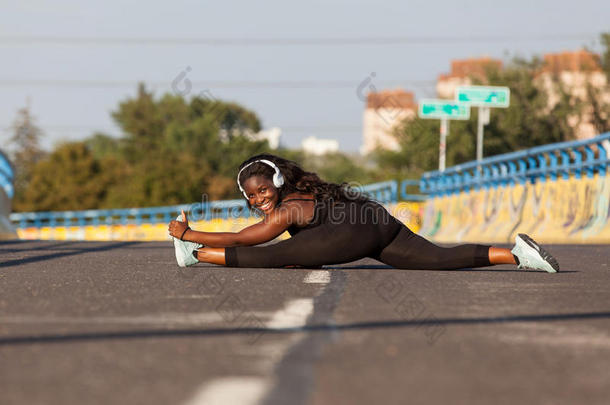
[563, 159]
[405, 195]
[7, 176]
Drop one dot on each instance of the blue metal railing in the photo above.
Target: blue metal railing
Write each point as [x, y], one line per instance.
[410, 197]
[7, 176]
[384, 192]
[552, 161]
[137, 216]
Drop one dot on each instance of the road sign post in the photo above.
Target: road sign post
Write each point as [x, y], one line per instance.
[444, 110]
[483, 97]
[482, 121]
[443, 145]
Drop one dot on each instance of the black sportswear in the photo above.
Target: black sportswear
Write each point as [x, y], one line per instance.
[346, 231]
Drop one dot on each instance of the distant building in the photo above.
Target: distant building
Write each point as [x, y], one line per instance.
[462, 72]
[384, 111]
[317, 146]
[272, 135]
[575, 71]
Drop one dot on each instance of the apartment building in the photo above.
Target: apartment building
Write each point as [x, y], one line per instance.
[384, 111]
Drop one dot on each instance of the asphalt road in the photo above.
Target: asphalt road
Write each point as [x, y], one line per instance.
[120, 323]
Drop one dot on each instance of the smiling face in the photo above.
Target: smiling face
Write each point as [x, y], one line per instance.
[261, 192]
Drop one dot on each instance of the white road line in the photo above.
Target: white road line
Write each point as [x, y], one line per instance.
[251, 390]
[317, 277]
[230, 390]
[167, 318]
[293, 315]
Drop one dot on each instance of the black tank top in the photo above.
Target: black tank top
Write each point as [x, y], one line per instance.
[316, 220]
[355, 211]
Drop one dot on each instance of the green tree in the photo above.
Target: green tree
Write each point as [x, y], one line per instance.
[605, 56]
[69, 178]
[338, 167]
[102, 145]
[597, 97]
[178, 149]
[26, 152]
[172, 151]
[419, 141]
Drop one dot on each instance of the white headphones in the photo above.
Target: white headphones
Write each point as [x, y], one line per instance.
[278, 179]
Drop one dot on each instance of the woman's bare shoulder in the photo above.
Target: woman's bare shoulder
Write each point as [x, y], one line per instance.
[298, 211]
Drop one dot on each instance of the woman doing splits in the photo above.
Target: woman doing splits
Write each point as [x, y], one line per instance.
[330, 224]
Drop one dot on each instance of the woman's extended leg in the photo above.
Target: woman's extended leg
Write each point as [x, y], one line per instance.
[217, 256]
[212, 255]
[420, 254]
[410, 251]
[501, 256]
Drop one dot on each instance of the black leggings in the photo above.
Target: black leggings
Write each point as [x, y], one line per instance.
[341, 243]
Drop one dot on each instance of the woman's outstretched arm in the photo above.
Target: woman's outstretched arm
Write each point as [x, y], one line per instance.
[269, 228]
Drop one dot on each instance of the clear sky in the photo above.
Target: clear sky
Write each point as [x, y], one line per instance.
[76, 60]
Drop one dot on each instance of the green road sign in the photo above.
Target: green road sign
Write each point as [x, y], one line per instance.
[483, 96]
[447, 109]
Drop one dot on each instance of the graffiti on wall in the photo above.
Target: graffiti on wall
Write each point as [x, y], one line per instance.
[573, 210]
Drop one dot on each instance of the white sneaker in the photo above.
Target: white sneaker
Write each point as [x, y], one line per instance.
[532, 257]
[184, 250]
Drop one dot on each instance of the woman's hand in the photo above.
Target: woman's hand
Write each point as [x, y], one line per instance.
[178, 229]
